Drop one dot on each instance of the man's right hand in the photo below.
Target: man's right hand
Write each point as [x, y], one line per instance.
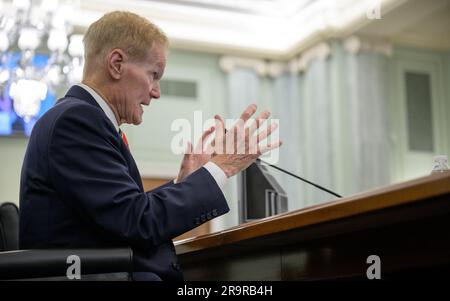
[235, 149]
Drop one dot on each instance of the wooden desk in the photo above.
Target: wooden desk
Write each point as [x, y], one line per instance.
[407, 225]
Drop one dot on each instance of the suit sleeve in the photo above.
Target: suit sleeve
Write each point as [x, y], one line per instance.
[91, 175]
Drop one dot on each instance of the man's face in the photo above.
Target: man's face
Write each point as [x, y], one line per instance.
[140, 85]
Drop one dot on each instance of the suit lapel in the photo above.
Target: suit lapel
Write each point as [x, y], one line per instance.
[80, 93]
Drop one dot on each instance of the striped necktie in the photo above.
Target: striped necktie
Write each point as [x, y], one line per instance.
[124, 138]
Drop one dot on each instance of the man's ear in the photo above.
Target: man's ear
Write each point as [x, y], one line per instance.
[115, 64]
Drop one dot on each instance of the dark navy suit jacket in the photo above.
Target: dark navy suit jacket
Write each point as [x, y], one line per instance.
[80, 188]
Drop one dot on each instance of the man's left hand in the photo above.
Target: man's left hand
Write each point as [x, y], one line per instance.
[195, 158]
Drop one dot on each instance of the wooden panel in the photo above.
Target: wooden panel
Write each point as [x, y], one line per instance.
[151, 183]
[406, 225]
[196, 232]
[261, 266]
[410, 245]
[390, 196]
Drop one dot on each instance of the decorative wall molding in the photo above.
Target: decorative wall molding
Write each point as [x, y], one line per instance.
[229, 63]
[261, 67]
[321, 51]
[356, 44]
[276, 68]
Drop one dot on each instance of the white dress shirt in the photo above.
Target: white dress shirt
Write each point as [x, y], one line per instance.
[216, 172]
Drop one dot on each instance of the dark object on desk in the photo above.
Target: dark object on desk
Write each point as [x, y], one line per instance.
[260, 194]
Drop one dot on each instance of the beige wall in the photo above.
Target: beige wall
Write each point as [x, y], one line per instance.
[12, 151]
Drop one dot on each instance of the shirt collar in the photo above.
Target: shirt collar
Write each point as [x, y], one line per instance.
[102, 103]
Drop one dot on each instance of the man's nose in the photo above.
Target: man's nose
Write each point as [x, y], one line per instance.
[156, 91]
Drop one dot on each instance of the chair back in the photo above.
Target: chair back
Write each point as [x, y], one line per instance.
[9, 227]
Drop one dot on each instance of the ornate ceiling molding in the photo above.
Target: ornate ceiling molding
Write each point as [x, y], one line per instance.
[356, 44]
[244, 33]
[229, 63]
[321, 52]
[275, 68]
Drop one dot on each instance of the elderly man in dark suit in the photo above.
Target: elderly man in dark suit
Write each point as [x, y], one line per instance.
[81, 188]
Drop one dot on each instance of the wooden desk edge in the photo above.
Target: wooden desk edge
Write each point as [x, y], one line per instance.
[370, 201]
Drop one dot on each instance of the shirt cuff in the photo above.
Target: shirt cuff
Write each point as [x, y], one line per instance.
[217, 173]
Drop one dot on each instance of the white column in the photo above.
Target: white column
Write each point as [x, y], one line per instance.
[243, 89]
[367, 83]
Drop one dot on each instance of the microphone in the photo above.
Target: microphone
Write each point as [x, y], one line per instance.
[297, 177]
[300, 178]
